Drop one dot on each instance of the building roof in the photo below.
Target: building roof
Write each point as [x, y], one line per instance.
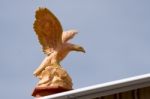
[105, 88]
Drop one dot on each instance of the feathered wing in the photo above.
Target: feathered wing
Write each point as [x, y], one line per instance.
[48, 30]
[67, 35]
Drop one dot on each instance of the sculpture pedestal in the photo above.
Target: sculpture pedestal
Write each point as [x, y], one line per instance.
[52, 80]
[44, 91]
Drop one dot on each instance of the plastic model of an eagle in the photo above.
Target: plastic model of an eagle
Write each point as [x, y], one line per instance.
[52, 38]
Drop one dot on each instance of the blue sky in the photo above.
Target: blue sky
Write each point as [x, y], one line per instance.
[115, 34]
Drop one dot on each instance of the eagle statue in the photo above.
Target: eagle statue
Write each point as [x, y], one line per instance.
[53, 39]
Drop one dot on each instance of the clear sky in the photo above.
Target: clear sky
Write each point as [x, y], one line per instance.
[115, 34]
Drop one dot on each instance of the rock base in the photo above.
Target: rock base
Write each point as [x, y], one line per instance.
[52, 80]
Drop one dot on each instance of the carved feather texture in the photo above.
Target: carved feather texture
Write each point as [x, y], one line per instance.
[67, 35]
[48, 30]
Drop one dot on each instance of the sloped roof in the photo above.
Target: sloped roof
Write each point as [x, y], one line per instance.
[104, 89]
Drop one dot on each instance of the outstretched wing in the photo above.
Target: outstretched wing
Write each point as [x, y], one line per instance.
[67, 35]
[48, 30]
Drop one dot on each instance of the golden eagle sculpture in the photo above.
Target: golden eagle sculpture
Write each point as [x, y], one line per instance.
[56, 46]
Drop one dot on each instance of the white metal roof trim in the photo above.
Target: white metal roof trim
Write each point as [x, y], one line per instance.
[137, 81]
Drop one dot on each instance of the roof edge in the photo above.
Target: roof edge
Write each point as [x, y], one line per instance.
[105, 88]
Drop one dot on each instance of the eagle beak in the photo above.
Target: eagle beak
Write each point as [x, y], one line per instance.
[78, 48]
[81, 49]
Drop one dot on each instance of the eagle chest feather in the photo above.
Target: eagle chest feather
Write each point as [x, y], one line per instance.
[63, 52]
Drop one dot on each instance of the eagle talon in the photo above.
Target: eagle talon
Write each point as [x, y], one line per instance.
[56, 65]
